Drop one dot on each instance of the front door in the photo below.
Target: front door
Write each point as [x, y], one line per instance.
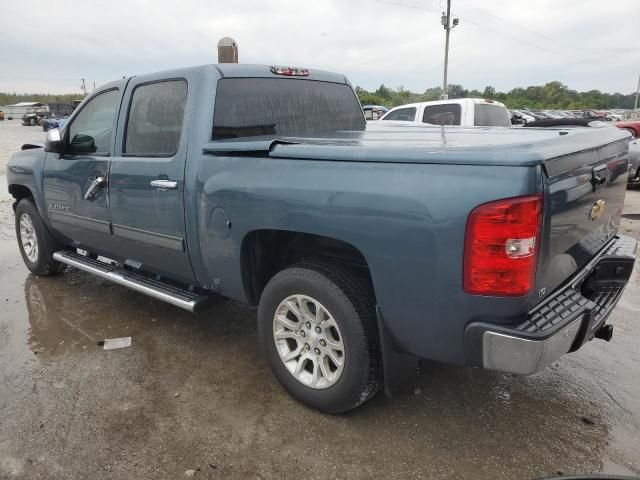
[75, 183]
[146, 180]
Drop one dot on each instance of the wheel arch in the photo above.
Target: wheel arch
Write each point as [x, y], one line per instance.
[20, 192]
[265, 252]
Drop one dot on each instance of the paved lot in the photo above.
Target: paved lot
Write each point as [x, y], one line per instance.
[13, 135]
[192, 392]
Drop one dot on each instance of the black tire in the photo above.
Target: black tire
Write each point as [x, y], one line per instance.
[44, 264]
[350, 301]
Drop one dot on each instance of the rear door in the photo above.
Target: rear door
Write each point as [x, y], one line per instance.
[75, 183]
[147, 177]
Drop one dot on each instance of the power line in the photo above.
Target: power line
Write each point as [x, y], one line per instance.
[515, 39]
[524, 28]
[510, 37]
[415, 7]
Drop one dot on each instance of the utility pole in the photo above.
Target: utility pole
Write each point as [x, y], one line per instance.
[448, 25]
[635, 107]
[84, 88]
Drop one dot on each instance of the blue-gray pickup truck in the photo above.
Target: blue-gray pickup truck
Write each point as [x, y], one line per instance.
[363, 249]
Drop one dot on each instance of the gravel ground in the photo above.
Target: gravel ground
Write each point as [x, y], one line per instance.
[193, 393]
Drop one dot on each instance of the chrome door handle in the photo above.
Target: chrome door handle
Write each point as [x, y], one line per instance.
[164, 184]
[94, 187]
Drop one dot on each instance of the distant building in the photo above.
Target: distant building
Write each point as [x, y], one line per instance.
[227, 50]
[17, 110]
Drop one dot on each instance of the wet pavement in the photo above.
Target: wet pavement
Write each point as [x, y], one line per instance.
[193, 393]
[13, 135]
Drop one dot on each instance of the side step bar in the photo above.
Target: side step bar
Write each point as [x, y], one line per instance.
[162, 291]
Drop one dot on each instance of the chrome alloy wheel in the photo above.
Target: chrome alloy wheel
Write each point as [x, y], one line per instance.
[28, 238]
[308, 341]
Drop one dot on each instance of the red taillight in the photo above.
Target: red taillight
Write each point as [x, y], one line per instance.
[501, 246]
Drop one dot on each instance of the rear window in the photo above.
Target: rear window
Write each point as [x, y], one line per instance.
[402, 114]
[487, 115]
[444, 114]
[248, 107]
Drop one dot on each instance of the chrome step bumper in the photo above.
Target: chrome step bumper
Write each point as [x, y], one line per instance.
[157, 289]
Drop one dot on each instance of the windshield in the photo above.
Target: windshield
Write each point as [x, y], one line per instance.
[487, 115]
[281, 106]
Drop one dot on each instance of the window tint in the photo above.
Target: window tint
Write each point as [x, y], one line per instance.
[487, 115]
[406, 114]
[90, 131]
[444, 114]
[155, 118]
[282, 106]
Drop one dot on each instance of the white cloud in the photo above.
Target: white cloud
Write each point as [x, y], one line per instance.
[585, 44]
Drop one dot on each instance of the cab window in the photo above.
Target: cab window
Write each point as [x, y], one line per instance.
[90, 131]
[155, 119]
[487, 115]
[402, 114]
[444, 114]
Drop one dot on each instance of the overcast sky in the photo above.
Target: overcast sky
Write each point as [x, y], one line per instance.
[48, 46]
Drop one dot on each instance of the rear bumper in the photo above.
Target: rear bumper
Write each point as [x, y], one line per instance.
[561, 323]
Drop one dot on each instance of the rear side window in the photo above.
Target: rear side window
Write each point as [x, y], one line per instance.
[248, 107]
[445, 114]
[155, 118]
[402, 114]
[487, 115]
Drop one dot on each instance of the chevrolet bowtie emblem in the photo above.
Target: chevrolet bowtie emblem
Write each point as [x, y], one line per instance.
[597, 210]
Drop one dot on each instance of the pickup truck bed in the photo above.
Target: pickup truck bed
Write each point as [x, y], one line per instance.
[489, 247]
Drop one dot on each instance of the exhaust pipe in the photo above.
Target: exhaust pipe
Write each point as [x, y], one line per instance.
[605, 332]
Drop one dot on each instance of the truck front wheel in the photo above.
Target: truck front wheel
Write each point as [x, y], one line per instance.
[36, 244]
[317, 328]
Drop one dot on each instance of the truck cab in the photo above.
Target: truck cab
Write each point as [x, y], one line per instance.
[465, 112]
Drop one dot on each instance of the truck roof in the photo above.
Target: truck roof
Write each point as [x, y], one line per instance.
[431, 144]
[450, 101]
[237, 70]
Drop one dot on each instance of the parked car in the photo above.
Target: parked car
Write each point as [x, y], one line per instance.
[466, 112]
[519, 118]
[34, 116]
[374, 112]
[634, 163]
[53, 122]
[632, 127]
[363, 249]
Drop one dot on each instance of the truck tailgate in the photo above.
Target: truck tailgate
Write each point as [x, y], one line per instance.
[586, 193]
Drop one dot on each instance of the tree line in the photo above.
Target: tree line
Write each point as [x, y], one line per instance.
[552, 95]
[13, 98]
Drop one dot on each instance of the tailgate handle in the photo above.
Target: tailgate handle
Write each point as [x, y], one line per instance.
[599, 176]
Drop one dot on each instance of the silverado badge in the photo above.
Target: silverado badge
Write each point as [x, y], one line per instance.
[597, 210]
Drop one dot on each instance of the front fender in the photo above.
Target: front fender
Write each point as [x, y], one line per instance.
[25, 171]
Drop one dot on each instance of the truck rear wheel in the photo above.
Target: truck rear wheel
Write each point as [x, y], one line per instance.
[317, 327]
[36, 244]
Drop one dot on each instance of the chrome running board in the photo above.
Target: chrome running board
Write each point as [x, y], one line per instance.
[154, 288]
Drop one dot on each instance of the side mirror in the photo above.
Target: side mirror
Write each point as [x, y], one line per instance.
[53, 143]
[82, 144]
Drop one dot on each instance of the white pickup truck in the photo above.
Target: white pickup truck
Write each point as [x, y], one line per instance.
[466, 112]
